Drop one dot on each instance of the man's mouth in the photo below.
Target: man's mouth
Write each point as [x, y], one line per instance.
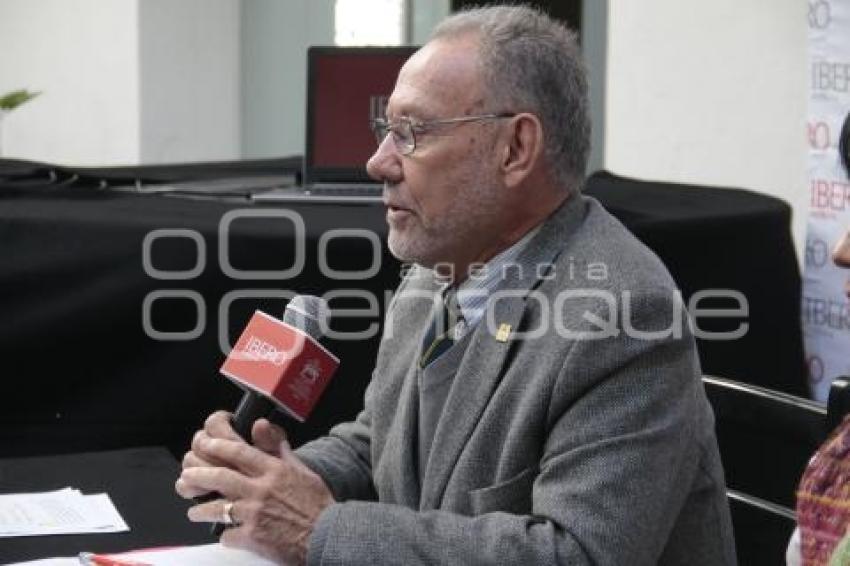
[395, 207]
[396, 212]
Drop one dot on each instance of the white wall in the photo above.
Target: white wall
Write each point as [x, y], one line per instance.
[81, 55]
[710, 93]
[594, 46]
[275, 37]
[424, 16]
[189, 69]
[123, 81]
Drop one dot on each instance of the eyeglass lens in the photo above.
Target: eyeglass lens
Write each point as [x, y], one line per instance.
[401, 133]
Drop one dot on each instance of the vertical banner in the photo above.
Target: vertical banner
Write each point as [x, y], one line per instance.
[825, 308]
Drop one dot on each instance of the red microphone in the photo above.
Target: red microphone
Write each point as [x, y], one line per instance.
[281, 364]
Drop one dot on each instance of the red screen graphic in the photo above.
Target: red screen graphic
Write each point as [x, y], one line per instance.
[343, 91]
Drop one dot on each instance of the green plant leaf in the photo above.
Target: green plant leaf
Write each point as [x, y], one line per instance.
[12, 100]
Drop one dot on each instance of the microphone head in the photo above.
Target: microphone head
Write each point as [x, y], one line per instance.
[308, 313]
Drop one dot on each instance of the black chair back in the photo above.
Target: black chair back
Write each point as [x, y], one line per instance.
[766, 439]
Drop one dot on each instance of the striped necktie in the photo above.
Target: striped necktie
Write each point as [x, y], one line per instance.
[440, 335]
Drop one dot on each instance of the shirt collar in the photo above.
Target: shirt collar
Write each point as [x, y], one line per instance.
[473, 293]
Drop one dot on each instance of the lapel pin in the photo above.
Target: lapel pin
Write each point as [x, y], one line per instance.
[503, 332]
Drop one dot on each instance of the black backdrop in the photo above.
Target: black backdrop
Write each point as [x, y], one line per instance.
[80, 372]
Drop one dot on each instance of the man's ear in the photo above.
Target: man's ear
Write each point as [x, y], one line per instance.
[523, 150]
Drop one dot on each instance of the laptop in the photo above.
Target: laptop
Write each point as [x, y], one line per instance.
[346, 88]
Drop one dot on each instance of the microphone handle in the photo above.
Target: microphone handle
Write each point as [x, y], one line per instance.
[252, 407]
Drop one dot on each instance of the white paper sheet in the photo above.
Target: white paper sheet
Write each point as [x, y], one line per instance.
[204, 555]
[64, 511]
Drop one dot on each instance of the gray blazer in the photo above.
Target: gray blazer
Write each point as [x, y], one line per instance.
[560, 448]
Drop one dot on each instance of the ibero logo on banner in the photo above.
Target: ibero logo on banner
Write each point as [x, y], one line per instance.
[825, 309]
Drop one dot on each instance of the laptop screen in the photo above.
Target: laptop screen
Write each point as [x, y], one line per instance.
[346, 87]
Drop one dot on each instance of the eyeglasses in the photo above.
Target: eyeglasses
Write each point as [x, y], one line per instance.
[405, 130]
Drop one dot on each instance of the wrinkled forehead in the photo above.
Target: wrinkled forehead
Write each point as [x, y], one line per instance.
[441, 79]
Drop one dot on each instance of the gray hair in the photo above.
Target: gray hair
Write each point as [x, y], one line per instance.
[531, 63]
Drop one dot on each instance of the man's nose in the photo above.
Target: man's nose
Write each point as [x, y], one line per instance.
[385, 163]
[841, 253]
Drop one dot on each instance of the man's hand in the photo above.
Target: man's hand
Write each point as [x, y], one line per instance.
[275, 498]
[266, 436]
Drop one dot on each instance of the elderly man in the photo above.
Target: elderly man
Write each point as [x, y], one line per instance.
[559, 417]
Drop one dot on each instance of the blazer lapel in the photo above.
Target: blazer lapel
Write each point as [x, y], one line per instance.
[400, 451]
[485, 360]
[397, 472]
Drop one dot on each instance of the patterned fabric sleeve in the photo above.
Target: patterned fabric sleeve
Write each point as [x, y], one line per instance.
[823, 498]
